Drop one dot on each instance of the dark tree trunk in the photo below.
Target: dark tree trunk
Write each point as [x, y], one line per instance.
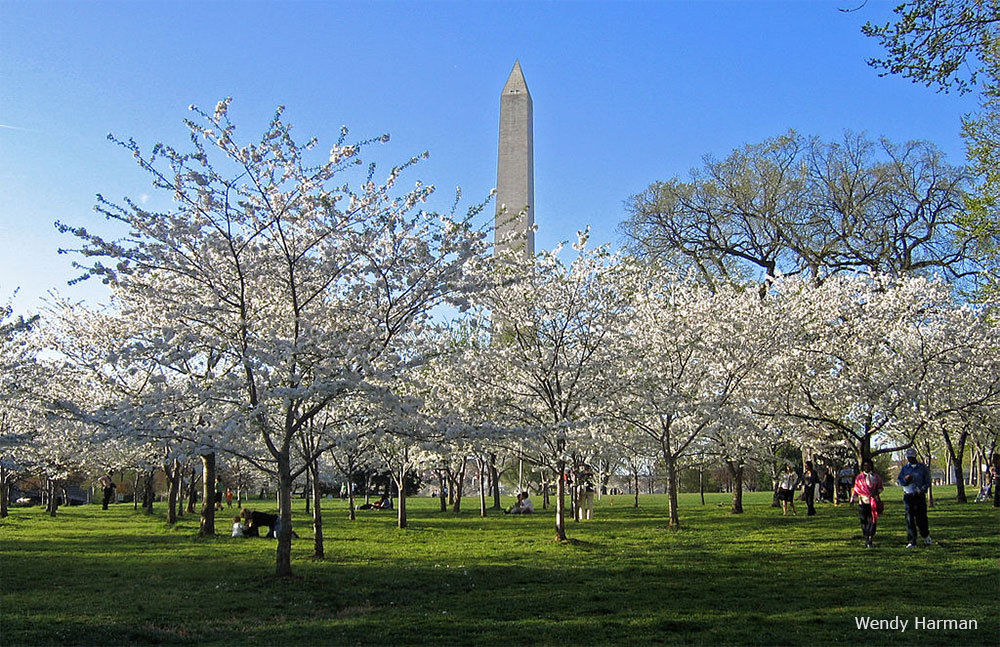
[996, 478]
[957, 455]
[317, 512]
[172, 470]
[307, 490]
[442, 496]
[495, 481]
[135, 491]
[930, 486]
[457, 487]
[147, 492]
[481, 464]
[636, 481]
[701, 484]
[350, 490]
[574, 495]
[736, 472]
[865, 449]
[545, 491]
[192, 491]
[208, 496]
[283, 556]
[4, 492]
[670, 464]
[561, 503]
[53, 496]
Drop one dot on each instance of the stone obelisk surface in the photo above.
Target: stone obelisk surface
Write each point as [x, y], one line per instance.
[515, 167]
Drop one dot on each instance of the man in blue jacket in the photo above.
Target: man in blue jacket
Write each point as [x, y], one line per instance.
[915, 479]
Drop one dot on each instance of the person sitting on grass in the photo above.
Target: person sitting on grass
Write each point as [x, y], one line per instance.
[523, 505]
[385, 503]
[255, 520]
[237, 527]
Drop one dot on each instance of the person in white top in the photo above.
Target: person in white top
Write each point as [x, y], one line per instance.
[522, 506]
[237, 527]
[786, 489]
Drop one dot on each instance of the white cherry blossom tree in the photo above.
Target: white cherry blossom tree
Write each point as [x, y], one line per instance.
[290, 289]
[552, 342]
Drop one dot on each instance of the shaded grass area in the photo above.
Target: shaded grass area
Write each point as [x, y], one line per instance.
[119, 577]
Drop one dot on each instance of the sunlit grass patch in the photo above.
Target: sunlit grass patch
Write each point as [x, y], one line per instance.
[120, 577]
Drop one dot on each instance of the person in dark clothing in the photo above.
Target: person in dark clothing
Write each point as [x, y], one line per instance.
[108, 487]
[254, 520]
[809, 481]
[867, 487]
[916, 480]
[826, 487]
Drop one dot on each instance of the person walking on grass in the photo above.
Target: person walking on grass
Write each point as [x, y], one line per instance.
[108, 490]
[218, 493]
[786, 489]
[867, 487]
[809, 482]
[586, 493]
[915, 479]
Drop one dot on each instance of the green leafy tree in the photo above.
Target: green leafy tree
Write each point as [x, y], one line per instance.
[934, 42]
[799, 205]
[955, 44]
[981, 223]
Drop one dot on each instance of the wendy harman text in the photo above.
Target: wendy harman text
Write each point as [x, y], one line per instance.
[900, 625]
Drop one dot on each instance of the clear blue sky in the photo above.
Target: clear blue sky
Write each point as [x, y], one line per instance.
[624, 93]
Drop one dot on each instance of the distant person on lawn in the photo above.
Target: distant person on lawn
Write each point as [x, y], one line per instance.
[238, 527]
[786, 489]
[108, 488]
[218, 493]
[915, 479]
[523, 505]
[585, 481]
[809, 482]
[255, 520]
[826, 487]
[385, 503]
[867, 487]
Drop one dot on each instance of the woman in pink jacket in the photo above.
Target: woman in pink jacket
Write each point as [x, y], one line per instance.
[867, 487]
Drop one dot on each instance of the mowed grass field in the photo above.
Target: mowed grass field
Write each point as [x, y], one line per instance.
[117, 577]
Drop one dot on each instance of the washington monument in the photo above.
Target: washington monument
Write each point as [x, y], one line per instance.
[515, 167]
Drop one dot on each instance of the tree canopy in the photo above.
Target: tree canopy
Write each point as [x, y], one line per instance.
[798, 205]
[940, 43]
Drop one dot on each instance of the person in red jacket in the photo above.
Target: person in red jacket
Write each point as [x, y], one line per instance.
[867, 487]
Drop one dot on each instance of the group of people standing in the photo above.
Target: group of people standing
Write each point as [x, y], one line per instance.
[789, 482]
[222, 493]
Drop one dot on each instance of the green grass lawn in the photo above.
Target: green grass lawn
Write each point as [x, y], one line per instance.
[119, 577]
